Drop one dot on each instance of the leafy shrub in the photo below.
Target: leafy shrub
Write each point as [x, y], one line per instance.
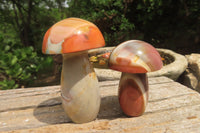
[19, 65]
[154, 21]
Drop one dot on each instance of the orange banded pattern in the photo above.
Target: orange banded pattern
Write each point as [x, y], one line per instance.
[72, 35]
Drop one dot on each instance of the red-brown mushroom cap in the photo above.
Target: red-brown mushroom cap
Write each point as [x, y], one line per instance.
[135, 56]
[72, 35]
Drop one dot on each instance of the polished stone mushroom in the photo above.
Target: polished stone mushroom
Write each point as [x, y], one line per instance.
[134, 59]
[72, 37]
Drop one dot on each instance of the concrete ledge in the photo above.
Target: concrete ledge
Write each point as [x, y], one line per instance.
[174, 69]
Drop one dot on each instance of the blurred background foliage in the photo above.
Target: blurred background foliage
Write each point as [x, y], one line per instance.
[172, 24]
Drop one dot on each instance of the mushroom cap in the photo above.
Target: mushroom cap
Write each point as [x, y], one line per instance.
[72, 35]
[135, 56]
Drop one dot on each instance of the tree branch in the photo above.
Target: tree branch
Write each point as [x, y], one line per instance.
[105, 13]
[16, 16]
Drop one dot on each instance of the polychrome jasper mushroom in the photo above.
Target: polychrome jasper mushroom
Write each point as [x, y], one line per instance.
[72, 37]
[134, 59]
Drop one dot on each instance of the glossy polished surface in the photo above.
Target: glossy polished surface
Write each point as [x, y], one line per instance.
[133, 93]
[72, 35]
[135, 56]
[79, 88]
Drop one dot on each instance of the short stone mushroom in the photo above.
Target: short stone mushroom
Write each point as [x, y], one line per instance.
[134, 59]
[72, 37]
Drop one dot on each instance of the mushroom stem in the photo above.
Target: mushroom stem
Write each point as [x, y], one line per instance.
[79, 88]
[133, 93]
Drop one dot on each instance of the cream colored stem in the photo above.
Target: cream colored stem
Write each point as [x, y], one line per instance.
[79, 88]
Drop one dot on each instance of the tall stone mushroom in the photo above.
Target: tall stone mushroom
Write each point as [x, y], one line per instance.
[134, 59]
[72, 37]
